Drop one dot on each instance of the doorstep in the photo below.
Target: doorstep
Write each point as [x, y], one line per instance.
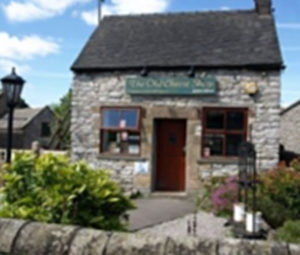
[168, 194]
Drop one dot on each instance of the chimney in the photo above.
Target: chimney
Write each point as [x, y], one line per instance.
[263, 7]
[99, 11]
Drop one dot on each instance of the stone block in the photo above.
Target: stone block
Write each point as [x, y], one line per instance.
[190, 245]
[128, 244]
[294, 249]
[142, 181]
[242, 247]
[44, 239]
[279, 249]
[89, 242]
[8, 232]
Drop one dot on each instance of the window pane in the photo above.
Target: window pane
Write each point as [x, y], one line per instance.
[45, 129]
[215, 120]
[133, 143]
[235, 120]
[111, 118]
[130, 117]
[213, 145]
[232, 144]
[111, 142]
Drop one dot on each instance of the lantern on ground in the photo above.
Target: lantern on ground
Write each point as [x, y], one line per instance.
[247, 221]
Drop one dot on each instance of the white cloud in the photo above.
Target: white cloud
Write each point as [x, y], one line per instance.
[16, 51]
[6, 66]
[27, 47]
[225, 8]
[122, 7]
[90, 17]
[289, 25]
[29, 10]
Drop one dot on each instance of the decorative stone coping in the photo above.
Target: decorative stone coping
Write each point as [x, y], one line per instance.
[19, 237]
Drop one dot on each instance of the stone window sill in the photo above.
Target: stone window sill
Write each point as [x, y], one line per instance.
[218, 160]
[121, 157]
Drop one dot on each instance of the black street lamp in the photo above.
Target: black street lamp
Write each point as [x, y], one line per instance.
[12, 87]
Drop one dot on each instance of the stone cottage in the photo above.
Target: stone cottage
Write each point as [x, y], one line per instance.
[165, 100]
[290, 128]
[30, 124]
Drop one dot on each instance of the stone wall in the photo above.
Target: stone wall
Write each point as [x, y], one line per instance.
[92, 91]
[290, 129]
[23, 238]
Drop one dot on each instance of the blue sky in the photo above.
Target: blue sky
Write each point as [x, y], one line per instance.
[42, 38]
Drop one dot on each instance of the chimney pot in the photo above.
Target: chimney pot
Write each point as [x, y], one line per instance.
[263, 7]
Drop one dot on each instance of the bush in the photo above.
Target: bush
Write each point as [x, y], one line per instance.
[278, 196]
[295, 164]
[290, 232]
[204, 200]
[51, 189]
[225, 196]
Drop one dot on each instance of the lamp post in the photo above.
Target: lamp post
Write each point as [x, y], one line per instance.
[12, 85]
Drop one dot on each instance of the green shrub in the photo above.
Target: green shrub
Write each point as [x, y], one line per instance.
[290, 232]
[204, 199]
[278, 196]
[225, 196]
[51, 189]
[295, 164]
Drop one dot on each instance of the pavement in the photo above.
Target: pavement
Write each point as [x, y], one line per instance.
[155, 211]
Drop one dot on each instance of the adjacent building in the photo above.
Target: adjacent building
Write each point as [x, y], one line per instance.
[164, 100]
[290, 128]
[3, 108]
[30, 124]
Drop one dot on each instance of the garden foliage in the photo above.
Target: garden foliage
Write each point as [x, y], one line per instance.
[278, 196]
[51, 189]
[218, 195]
[225, 196]
[290, 232]
[204, 200]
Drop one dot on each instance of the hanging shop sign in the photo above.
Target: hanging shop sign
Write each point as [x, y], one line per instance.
[171, 86]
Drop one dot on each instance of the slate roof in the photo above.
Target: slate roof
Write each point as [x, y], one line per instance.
[22, 117]
[292, 106]
[201, 39]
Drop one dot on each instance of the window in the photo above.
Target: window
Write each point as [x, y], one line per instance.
[223, 131]
[2, 156]
[120, 131]
[45, 129]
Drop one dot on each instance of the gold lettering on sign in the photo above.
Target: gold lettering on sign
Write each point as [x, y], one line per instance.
[171, 86]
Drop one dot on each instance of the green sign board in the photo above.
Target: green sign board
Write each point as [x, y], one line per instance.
[171, 86]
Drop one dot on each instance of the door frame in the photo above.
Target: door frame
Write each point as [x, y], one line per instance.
[154, 155]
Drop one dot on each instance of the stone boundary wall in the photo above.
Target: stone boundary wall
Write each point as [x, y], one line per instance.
[19, 237]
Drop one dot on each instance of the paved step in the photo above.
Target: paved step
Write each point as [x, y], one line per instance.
[154, 211]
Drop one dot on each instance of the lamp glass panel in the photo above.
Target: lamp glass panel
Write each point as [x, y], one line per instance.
[17, 93]
[12, 92]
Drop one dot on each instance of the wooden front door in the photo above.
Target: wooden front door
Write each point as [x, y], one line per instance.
[170, 155]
